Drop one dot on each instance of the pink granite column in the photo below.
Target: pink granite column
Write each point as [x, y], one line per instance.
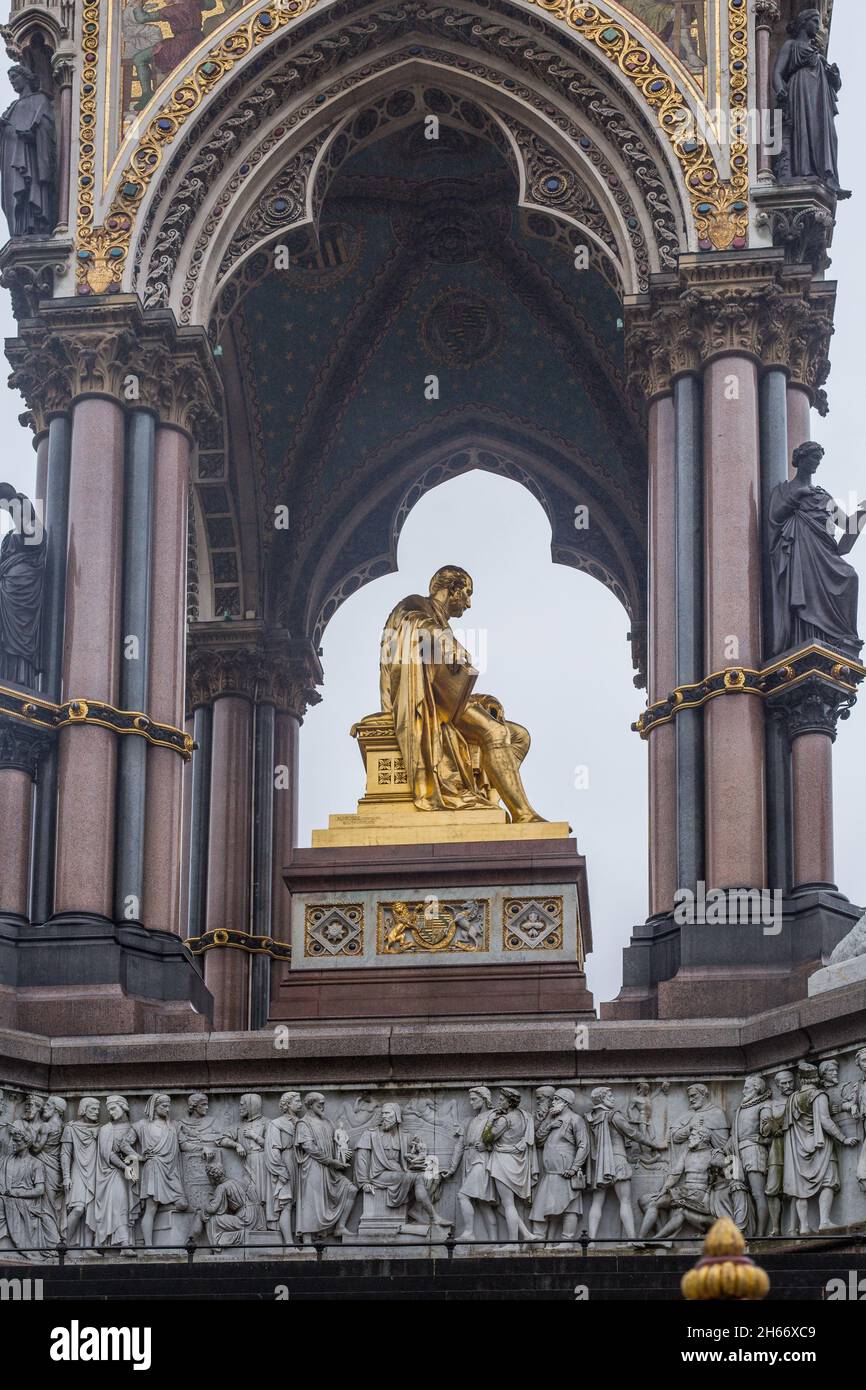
[88, 754]
[16, 790]
[228, 886]
[812, 779]
[163, 841]
[286, 744]
[41, 488]
[662, 654]
[762, 81]
[799, 420]
[734, 723]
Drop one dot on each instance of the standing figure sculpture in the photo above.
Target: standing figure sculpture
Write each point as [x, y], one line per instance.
[116, 1208]
[160, 1183]
[810, 1164]
[858, 1110]
[476, 1192]
[28, 169]
[248, 1142]
[565, 1149]
[814, 589]
[609, 1167]
[24, 1216]
[805, 87]
[198, 1141]
[22, 574]
[442, 728]
[325, 1193]
[749, 1148]
[45, 1144]
[282, 1165]
[78, 1163]
[513, 1166]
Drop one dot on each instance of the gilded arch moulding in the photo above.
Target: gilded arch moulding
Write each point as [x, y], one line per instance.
[229, 143]
[719, 203]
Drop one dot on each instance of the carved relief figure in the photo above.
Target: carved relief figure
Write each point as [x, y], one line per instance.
[749, 1148]
[45, 1144]
[248, 1142]
[426, 684]
[476, 1193]
[28, 169]
[231, 1212]
[116, 1208]
[382, 1166]
[810, 1165]
[858, 1108]
[325, 1193]
[510, 1136]
[805, 87]
[609, 1167]
[815, 590]
[688, 1191]
[772, 1129]
[160, 1182]
[22, 574]
[565, 1149]
[78, 1149]
[198, 1140]
[24, 1215]
[702, 1114]
[282, 1165]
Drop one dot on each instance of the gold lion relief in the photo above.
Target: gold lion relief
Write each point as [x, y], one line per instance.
[411, 928]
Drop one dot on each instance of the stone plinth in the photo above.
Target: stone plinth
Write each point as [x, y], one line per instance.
[437, 929]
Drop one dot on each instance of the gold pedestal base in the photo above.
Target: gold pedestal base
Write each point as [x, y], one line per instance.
[404, 824]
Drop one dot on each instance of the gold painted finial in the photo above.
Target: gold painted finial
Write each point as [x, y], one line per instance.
[725, 1271]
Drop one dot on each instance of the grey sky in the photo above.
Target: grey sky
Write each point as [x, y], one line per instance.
[556, 649]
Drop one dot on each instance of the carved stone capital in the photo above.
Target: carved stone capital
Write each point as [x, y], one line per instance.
[815, 706]
[243, 659]
[767, 13]
[21, 746]
[756, 306]
[27, 270]
[113, 347]
[801, 218]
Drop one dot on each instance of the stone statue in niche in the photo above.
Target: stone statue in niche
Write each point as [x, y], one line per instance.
[814, 589]
[558, 1198]
[248, 1142]
[231, 1212]
[198, 1141]
[160, 1183]
[805, 87]
[22, 575]
[476, 1193]
[28, 163]
[810, 1162]
[749, 1148]
[609, 1166]
[513, 1166]
[394, 1190]
[116, 1207]
[326, 1194]
[281, 1164]
[25, 1216]
[78, 1149]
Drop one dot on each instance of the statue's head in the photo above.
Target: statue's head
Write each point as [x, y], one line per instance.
[452, 586]
[22, 78]
[390, 1117]
[808, 457]
[479, 1098]
[807, 23]
[315, 1102]
[509, 1098]
[117, 1107]
[197, 1103]
[8, 495]
[785, 1081]
[754, 1086]
[698, 1096]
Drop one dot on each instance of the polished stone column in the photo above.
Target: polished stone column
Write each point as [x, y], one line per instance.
[774, 470]
[733, 723]
[263, 859]
[286, 746]
[198, 774]
[134, 666]
[812, 758]
[163, 845]
[228, 888]
[689, 725]
[16, 788]
[766, 13]
[662, 653]
[57, 481]
[87, 753]
[799, 420]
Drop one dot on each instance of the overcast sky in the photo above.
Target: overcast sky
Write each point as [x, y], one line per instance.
[555, 641]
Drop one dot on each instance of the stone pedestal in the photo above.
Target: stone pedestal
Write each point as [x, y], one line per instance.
[485, 927]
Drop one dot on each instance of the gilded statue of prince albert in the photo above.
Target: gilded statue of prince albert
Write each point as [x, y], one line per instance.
[459, 750]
